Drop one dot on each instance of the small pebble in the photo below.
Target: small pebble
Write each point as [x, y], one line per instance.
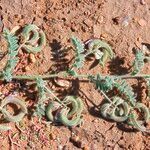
[142, 2]
[100, 19]
[52, 136]
[138, 42]
[32, 58]
[97, 31]
[62, 82]
[27, 68]
[103, 36]
[142, 22]
[86, 148]
[126, 21]
[76, 141]
[88, 22]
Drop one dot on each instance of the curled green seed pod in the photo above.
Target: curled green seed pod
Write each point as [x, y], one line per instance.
[80, 105]
[139, 124]
[104, 58]
[118, 110]
[70, 100]
[28, 30]
[34, 39]
[63, 118]
[70, 115]
[16, 101]
[76, 105]
[53, 106]
[120, 114]
[95, 45]
[105, 110]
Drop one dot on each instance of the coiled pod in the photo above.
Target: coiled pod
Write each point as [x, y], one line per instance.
[52, 106]
[95, 45]
[69, 115]
[134, 120]
[118, 110]
[16, 101]
[34, 39]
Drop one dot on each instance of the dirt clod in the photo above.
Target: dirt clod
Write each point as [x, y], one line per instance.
[143, 2]
[142, 22]
[76, 141]
[32, 58]
[62, 83]
[26, 69]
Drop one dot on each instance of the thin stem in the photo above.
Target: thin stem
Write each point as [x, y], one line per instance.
[62, 75]
[55, 97]
[33, 77]
[106, 96]
[131, 76]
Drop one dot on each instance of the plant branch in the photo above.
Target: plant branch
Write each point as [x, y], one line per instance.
[62, 75]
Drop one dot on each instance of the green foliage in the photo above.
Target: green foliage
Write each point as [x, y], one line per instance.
[16, 101]
[12, 54]
[94, 47]
[72, 72]
[41, 88]
[125, 90]
[79, 46]
[79, 49]
[122, 107]
[138, 63]
[40, 106]
[134, 119]
[36, 42]
[102, 83]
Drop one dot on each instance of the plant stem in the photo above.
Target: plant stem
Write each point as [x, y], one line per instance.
[62, 75]
[90, 52]
[131, 76]
[106, 96]
[50, 92]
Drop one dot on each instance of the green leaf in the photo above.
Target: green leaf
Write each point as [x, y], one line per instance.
[40, 106]
[40, 110]
[138, 63]
[125, 90]
[79, 61]
[41, 88]
[71, 72]
[12, 54]
[78, 44]
[79, 49]
[103, 83]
